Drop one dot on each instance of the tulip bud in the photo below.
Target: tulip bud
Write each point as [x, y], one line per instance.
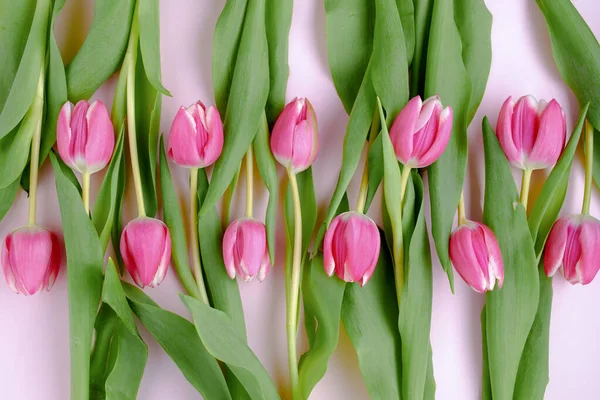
[295, 139]
[532, 134]
[245, 250]
[421, 132]
[196, 136]
[475, 254]
[574, 246]
[146, 250]
[85, 136]
[31, 259]
[351, 247]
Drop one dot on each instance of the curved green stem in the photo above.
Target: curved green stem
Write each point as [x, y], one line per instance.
[462, 219]
[404, 180]
[35, 151]
[364, 184]
[193, 223]
[589, 165]
[293, 304]
[398, 244]
[249, 182]
[85, 191]
[525, 184]
[131, 57]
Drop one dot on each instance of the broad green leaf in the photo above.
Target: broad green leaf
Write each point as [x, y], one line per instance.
[349, 38]
[84, 278]
[322, 297]
[223, 341]
[102, 52]
[248, 96]
[25, 83]
[179, 339]
[174, 221]
[447, 77]
[268, 172]
[375, 160]
[228, 33]
[415, 309]
[278, 20]
[486, 385]
[228, 197]
[430, 385]
[7, 197]
[423, 13]
[107, 201]
[223, 292]
[113, 295]
[15, 22]
[406, 9]
[105, 326]
[510, 311]
[370, 317]
[149, 19]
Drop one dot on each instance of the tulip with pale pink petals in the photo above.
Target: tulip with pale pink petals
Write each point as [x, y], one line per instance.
[146, 250]
[31, 258]
[351, 247]
[420, 133]
[573, 246]
[295, 138]
[196, 136]
[475, 254]
[85, 136]
[245, 250]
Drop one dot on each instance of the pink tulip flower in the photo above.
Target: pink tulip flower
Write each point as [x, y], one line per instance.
[421, 132]
[196, 136]
[532, 134]
[573, 246]
[146, 250]
[475, 254]
[31, 259]
[351, 247]
[245, 250]
[85, 136]
[295, 138]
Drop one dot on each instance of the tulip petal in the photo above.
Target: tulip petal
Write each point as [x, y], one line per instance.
[214, 145]
[403, 129]
[465, 260]
[79, 131]
[303, 149]
[441, 139]
[551, 137]
[101, 137]
[555, 246]
[182, 147]
[504, 131]
[282, 137]
[328, 257]
[229, 239]
[63, 133]
[589, 262]
[495, 262]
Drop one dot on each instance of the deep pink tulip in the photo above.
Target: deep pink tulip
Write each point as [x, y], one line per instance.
[351, 247]
[146, 250]
[531, 134]
[573, 246]
[196, 136]
[476, 256]
[245, 250]
[85, 136]
[31, 258]
[421, 132]
[295, 138]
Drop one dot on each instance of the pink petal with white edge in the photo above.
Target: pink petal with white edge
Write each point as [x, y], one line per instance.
[303, 151]
[228, 243]
[182, 147]
[590, 245]
[328, 259]
[63, 133]
[282, 137]
[555, 246]
[101, 137]
[464, 259]
[551, 137]
[403, 129]
[504, 131]
[437, 148]
[496, 263]
[525, 122]
[214, 145]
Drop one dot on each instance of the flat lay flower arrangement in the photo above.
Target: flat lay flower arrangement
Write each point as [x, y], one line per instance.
[411, 75]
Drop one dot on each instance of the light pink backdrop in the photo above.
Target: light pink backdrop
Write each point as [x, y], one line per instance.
[34, 338]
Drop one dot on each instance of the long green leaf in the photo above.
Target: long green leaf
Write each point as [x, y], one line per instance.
[100, 362]
[179, 339]
[102, 51]
[423, 13]
[149, 20]
[7, 197]
[406, 9]
[447, 77]
[248, 96]
[510, 311]
[84, 278]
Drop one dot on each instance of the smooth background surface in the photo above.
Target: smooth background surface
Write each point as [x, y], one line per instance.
[34, 338]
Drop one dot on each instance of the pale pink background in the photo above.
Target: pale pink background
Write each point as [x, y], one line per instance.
[34, 339]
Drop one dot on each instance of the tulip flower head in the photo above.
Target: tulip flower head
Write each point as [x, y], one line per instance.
[245, 250]
[196, 136]
[85, 136]
[532, 134]
[146, 250]
[475, 254]
[573, 246]
[351, 247]
[420, 133]
[295, 139]
[31, 258]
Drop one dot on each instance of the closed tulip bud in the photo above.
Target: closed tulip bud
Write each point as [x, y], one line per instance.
[475, 254]
[245, 250]
[351, 247]
[85, 136]
[295, 139]
[421, 132]
[146, 250]
[31, 259]
[196, 136]
[532, 134]
[574, 246]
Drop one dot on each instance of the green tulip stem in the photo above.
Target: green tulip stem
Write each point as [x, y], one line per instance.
[364, 184]
[36, 107]
[194, 244]
[525, 184]
[462, 219]
[85, 191]
[589, 165]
